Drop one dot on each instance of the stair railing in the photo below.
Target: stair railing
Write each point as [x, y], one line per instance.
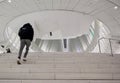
[109, 39]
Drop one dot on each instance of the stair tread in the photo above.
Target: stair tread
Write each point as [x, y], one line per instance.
[57, 66]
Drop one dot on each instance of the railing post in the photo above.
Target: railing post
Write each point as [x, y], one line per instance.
[111, 47]
[99, 45]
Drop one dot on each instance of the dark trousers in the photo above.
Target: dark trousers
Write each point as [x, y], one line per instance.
[23, 43]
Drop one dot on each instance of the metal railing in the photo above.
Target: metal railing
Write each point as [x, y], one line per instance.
[109, 39]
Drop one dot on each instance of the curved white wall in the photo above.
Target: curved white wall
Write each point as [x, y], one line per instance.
[63, 24]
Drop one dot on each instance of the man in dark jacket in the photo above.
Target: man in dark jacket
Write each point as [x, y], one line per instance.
[26, 34]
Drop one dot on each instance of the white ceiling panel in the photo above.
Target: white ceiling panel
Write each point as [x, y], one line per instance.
[99, 9]
[117, 2]
[81, 4]
[72, 4]
[64, 4]
[48, 4]
[56, 4]
[102, 8]
[31, 5]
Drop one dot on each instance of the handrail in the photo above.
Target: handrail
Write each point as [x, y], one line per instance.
[109, 42]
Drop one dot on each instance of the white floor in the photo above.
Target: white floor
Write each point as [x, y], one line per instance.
[60, 67]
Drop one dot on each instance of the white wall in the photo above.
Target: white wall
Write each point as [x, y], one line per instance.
[62, 23]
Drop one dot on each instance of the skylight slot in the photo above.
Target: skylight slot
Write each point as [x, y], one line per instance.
[9, 1]
[116, 7]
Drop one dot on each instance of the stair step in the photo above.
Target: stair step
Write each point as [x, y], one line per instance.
[59, 81]
[61, 66]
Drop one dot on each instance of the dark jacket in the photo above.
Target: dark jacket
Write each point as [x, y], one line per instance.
[26, 32]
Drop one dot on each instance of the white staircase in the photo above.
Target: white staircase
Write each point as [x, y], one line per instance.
[60, 68]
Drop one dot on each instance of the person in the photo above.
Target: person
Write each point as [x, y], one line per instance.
[26, 34]
[3, 49]
[8, 50]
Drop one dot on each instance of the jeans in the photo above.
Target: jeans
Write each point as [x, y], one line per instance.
[23, 43]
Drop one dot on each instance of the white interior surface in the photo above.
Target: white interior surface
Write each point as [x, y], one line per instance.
[62, 24]
[69, 11]
[99, 9]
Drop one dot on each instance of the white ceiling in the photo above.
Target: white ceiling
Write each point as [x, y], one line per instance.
[62, 24]
[98, 9]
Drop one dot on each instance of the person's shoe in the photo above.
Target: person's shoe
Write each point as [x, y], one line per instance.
[24, 59]
[18, 62]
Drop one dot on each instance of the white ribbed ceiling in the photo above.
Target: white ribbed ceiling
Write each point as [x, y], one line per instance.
[98, 9]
